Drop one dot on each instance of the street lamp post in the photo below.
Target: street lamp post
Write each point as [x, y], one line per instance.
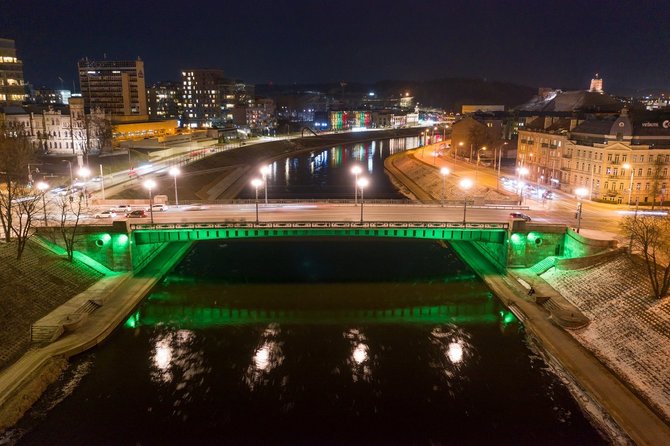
[150, 185]
[362, 184]
[85, 172]
[70, 164]
[632, 173]
[477, 165]
[43, 187]
[465, 184]
[265, 170]
[522, 171]
[256, 183]
[102, 182]
[581, 193]
[356, 170]
[174, 171]
[444, 172]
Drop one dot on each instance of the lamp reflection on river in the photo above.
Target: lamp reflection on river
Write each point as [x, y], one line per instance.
[360, 362]
[266, 358]
[455, 352]
[174, 356]
[455, 349]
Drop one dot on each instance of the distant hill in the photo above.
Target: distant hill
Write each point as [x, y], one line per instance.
[452, 93]
[449, 94]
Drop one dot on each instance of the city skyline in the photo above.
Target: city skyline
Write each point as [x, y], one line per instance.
[289, 42]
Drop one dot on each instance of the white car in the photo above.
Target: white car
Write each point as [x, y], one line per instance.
[158, 208]
[106, 214]
[122, 208]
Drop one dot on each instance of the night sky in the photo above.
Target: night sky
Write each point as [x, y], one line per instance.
[535, 43]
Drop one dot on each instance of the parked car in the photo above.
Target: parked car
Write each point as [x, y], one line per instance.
[105, 214]
[122, 208]
[140, 213]
[158, 208]
[519, 215]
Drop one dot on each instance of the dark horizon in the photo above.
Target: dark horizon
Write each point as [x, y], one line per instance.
[293, 42]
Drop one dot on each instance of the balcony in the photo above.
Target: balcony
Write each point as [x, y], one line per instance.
[567, 155]
[544, 145]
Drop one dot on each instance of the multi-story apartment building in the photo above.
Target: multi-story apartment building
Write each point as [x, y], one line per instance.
[116, 87]
[259, 116]
[203, 98]
[164, 100]
[12, 87]
[619, 159]
[65, 130]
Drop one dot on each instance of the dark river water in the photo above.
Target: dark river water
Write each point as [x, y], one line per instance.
[313, 342]
[326, 173]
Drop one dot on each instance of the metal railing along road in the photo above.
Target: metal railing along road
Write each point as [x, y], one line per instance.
[318, 225]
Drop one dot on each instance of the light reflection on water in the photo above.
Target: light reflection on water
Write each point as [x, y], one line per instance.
[325, 173]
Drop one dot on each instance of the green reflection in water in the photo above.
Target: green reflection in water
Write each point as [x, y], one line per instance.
[203, 317]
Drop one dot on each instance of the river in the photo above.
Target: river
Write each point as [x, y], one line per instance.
[305, 342]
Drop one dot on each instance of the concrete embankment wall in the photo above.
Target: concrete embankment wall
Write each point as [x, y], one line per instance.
[23, 383]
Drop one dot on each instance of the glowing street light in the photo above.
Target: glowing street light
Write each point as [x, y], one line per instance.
[265, 170]
[43, 187]
[85, 172]
[256, 183]
[444, 172]
[465, 184]
[632, 173]
[150, 185]
[356, 171]
[362, 183]
[175, 172]
[581, 193]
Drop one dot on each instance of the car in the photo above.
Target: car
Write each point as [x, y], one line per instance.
[520, 216]
[122, 208]
[196, 207]
[105, 214]
[549, 195]
[140, 213]
[158, 208]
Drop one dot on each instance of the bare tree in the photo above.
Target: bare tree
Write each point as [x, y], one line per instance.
[70, 213]
[25, 209]
[651, 236]
[16, 153]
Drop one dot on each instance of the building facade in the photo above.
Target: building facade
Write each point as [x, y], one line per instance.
[116, 87]
[12, 86]
[203, 98]
[59, 130]
[164, 101]
[618, 159]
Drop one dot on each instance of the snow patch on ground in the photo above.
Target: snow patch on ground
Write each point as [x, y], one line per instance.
[629, 329]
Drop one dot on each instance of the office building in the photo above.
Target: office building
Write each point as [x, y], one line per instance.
[12, 86]
[203, 97]
[116, 87]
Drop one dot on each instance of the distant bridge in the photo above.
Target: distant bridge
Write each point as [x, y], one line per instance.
[179, 232]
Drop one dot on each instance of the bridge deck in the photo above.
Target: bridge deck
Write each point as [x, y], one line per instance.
[169, 232]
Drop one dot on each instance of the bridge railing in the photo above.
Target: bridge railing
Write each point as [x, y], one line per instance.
[319, 225]
[488, 204]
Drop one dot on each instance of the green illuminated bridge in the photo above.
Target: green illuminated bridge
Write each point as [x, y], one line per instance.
[126, 246]
[173, 232]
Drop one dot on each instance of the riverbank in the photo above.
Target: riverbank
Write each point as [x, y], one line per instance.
[22, 383]
[30, 289]
[600, 357]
